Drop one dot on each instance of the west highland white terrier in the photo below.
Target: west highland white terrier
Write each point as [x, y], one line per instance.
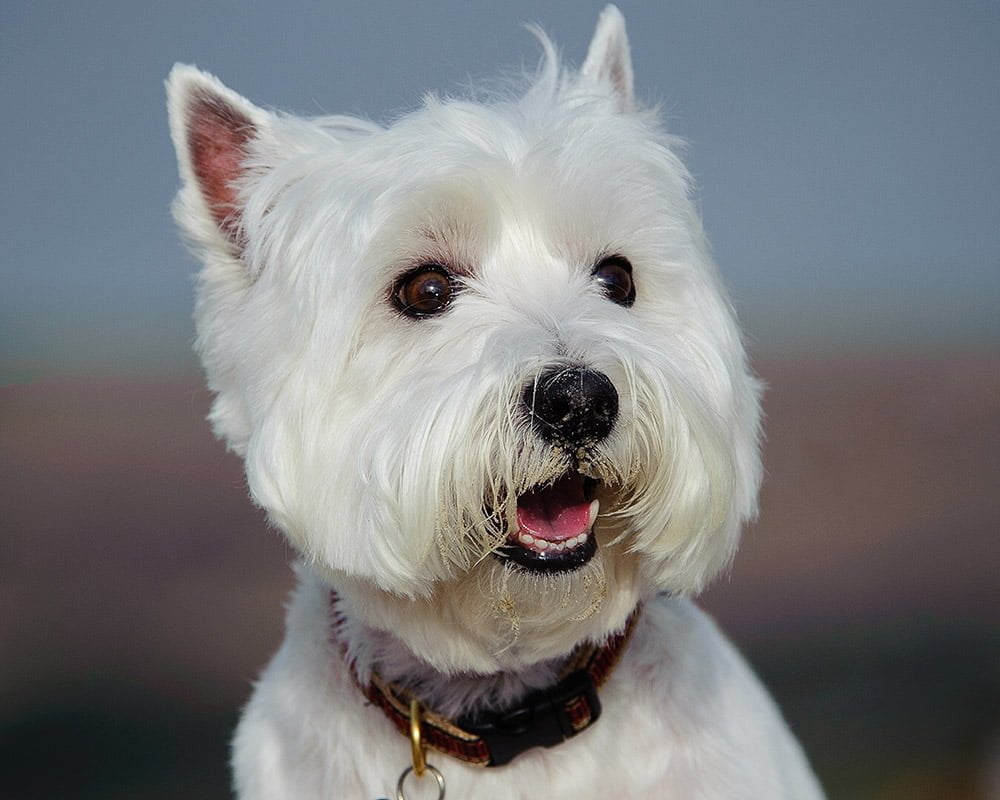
[484, 376]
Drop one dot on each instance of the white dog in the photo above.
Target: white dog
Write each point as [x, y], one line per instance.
[484, 377]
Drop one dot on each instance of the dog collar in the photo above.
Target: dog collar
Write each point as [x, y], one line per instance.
[544, 718]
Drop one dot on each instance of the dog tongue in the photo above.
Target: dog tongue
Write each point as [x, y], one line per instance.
[555, 513]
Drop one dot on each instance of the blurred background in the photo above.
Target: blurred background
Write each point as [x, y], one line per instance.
[847, 159]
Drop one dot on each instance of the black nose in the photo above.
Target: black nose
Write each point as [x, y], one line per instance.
[572, 406]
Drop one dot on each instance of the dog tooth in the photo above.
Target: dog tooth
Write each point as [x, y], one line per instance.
[526, 539]
[541, 544]
[594, 508]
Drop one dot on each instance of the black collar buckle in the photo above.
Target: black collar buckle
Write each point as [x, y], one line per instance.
[542, 719]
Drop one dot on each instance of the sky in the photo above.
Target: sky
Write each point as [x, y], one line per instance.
[846, 153]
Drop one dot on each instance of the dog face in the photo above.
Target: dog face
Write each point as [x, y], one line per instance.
[478, 363]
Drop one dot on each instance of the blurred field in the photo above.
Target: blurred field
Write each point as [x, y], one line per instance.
[140, 593]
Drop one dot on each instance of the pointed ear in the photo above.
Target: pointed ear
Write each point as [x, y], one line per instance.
[212, 128]
[608, 59]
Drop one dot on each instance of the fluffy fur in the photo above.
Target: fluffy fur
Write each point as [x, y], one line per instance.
[391, 451]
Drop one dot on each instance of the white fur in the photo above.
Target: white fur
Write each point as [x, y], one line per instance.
[683, 718]
[375, 441]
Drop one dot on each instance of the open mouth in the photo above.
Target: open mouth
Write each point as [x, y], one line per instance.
[555, 526]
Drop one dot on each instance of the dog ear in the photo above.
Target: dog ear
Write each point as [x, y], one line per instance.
[213, 129]
[608, 59]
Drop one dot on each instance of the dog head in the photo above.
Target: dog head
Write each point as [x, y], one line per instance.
[478, 363]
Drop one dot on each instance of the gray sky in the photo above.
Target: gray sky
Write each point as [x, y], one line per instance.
[846, 152]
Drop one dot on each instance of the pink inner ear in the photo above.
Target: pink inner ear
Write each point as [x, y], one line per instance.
[218, 135]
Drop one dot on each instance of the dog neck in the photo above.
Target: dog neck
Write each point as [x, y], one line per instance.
[471, 716]
[376, 652]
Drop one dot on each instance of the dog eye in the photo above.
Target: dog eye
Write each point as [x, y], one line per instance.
[614, 274]
[425, 291]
